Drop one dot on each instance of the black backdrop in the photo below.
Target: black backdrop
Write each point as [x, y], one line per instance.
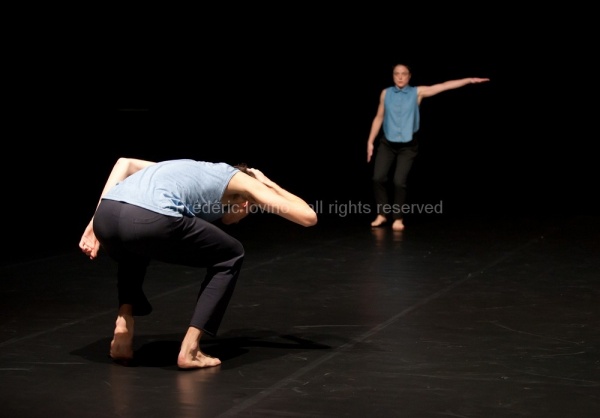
[297, 101]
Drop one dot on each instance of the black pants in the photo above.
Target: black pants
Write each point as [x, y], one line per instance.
[133, 236]
[399, 157]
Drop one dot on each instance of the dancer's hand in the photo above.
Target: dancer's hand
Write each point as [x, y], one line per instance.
[89, 244]
[259, 175]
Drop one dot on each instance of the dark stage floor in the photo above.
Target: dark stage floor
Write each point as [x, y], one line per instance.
[459, 317]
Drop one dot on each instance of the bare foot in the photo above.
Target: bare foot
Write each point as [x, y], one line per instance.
[380, 220]
[398, 225]
[190, 356]
[196, 359]
[121, 347]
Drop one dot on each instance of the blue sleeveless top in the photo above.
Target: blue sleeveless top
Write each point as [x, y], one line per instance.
[401, 113]
[177, 188]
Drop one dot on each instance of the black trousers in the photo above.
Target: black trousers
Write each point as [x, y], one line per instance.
[134, 236]
[399, 157]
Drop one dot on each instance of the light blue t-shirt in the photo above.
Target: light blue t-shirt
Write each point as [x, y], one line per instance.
[401, 118]
[177, 188]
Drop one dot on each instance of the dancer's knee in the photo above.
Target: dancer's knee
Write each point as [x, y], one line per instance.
[379, 179]
[237, 252]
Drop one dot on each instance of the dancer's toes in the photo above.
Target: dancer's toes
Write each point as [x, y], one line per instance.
[196, 360]
[380, 220]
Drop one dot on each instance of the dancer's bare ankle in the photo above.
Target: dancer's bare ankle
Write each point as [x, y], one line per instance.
[398, 225]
